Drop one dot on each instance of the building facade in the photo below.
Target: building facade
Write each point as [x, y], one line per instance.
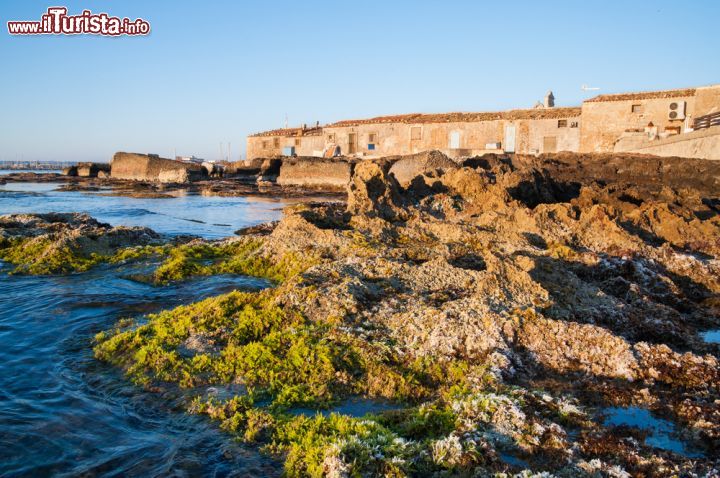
[605, 123]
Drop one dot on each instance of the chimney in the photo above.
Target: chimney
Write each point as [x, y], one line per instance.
[549, 101]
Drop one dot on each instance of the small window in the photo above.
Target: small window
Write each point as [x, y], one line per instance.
[562, 123]
[276, 142]
[297, 141]
[637, 109]
[372, 138]
[265, 144]
[415, 132]
[371, 146]
[331, 138]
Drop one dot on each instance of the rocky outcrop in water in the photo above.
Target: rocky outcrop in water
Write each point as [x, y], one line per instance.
[64, 242]
[501, 306]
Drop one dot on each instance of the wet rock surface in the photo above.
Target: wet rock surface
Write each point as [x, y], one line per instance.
[505, 303]
[64, 242]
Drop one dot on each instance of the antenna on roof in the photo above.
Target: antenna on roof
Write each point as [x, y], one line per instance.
[286, 121]
[589, 88]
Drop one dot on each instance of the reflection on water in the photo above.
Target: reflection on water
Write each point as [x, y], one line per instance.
[661, 433]
[711, 336]
[356, 407]
[183, 213]
[63, 413]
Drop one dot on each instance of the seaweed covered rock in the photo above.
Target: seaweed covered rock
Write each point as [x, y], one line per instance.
[61, 243]
[499, 307]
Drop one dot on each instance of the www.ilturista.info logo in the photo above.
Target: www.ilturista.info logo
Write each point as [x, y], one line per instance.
[57, 22]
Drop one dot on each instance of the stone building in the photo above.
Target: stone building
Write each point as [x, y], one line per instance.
[606, 123]
[302, 141]
[632, 121]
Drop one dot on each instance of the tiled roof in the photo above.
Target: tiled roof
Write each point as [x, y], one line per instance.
[548, 113]
[644, 95]
[291, 132]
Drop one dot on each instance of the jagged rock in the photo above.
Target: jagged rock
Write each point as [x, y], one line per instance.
[408, 167]
[374, 193]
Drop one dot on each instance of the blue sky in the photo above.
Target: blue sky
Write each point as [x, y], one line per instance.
[215, 71]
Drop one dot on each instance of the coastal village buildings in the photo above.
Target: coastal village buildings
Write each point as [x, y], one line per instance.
[672, 121]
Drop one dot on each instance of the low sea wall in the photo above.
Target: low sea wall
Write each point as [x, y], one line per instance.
[315, 173]
[143, 167]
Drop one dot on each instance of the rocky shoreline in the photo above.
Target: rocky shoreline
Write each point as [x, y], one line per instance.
[504, 307]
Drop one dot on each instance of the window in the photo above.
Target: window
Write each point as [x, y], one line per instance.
[415, 132]
[562, 123]
[276, 142]
[331, 138]
[265, 144]
[637, 109]
[297, 141]
[372, 139]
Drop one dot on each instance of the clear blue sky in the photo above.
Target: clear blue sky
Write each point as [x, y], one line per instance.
[214, 72]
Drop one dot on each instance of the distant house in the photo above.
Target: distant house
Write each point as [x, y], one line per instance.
[619, 122]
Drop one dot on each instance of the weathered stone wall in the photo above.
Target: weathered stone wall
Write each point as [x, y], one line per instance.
[141, 167]
[604, 122]
[315, 173]
[707, 100]
[91, 170]
[273, 145]
[473, 137]
[703, 144]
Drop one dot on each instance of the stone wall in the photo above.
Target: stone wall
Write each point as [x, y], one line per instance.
[91, 170]
[604, 122]
[707, 100]
[315, 173]
[703, 144]
[273, 145]
[142, 167]
[472, 137]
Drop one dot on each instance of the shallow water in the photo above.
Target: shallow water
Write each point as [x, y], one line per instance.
[62, 413]
[662, 434]
[24, 171]
[711, 336]
[206, 216]
[355, 407]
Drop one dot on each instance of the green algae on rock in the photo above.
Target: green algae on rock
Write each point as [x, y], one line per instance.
[497, 307]
[64, 243]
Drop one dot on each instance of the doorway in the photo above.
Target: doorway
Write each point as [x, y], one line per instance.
[454, 139]
[549, 144]
[509, 143]
[352, 143]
